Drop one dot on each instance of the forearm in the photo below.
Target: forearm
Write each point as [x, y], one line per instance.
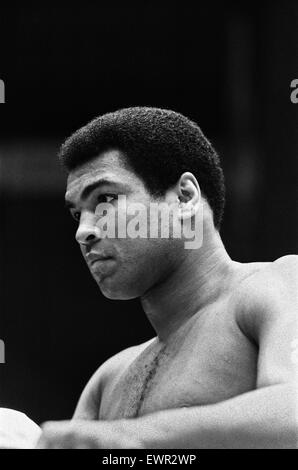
[263, 418]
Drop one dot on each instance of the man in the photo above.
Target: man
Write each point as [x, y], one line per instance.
[221, 371]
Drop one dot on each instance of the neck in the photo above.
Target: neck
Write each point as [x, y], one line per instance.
[197, 281]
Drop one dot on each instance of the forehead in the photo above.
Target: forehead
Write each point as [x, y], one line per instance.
[110, 165]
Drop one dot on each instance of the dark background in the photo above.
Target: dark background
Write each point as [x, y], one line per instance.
[225, 66]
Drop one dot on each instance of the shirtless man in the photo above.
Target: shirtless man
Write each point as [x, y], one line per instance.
[221, 371]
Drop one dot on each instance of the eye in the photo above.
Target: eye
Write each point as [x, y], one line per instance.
[106, 198]
[76, 215]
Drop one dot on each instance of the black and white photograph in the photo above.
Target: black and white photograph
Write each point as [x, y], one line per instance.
[149, 229]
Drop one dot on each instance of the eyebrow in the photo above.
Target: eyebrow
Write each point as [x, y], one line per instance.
[88, 190]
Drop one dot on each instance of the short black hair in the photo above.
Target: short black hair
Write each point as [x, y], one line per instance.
[159, 145]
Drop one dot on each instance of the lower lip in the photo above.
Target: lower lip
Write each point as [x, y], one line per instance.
[103, 268]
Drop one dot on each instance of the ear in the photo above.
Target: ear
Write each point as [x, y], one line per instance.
[189, 195]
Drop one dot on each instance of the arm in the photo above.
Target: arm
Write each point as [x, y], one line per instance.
[89, 403]
[262, 418]
[267, 416]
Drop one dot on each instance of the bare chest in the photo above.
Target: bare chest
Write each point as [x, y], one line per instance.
[210, 363]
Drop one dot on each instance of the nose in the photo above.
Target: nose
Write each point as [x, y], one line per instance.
[87, 232]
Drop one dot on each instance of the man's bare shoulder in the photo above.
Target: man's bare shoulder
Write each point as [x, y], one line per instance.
[120, 360]
[88, 405]
[266, 290]
[263, 278]
[287, 267]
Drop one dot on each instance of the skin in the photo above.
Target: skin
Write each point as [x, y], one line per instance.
[220, 372]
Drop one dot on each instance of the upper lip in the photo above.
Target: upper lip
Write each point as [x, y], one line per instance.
[92, 257]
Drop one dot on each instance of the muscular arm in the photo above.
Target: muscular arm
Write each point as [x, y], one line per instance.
[89, 403]
[263, 418]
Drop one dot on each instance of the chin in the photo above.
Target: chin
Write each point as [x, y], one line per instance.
[116, 292]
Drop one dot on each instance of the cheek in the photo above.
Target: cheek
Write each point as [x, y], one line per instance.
[143, 259]
[141, 265]
[133, 276]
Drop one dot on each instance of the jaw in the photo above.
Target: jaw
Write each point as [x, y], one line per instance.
[116, 290]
